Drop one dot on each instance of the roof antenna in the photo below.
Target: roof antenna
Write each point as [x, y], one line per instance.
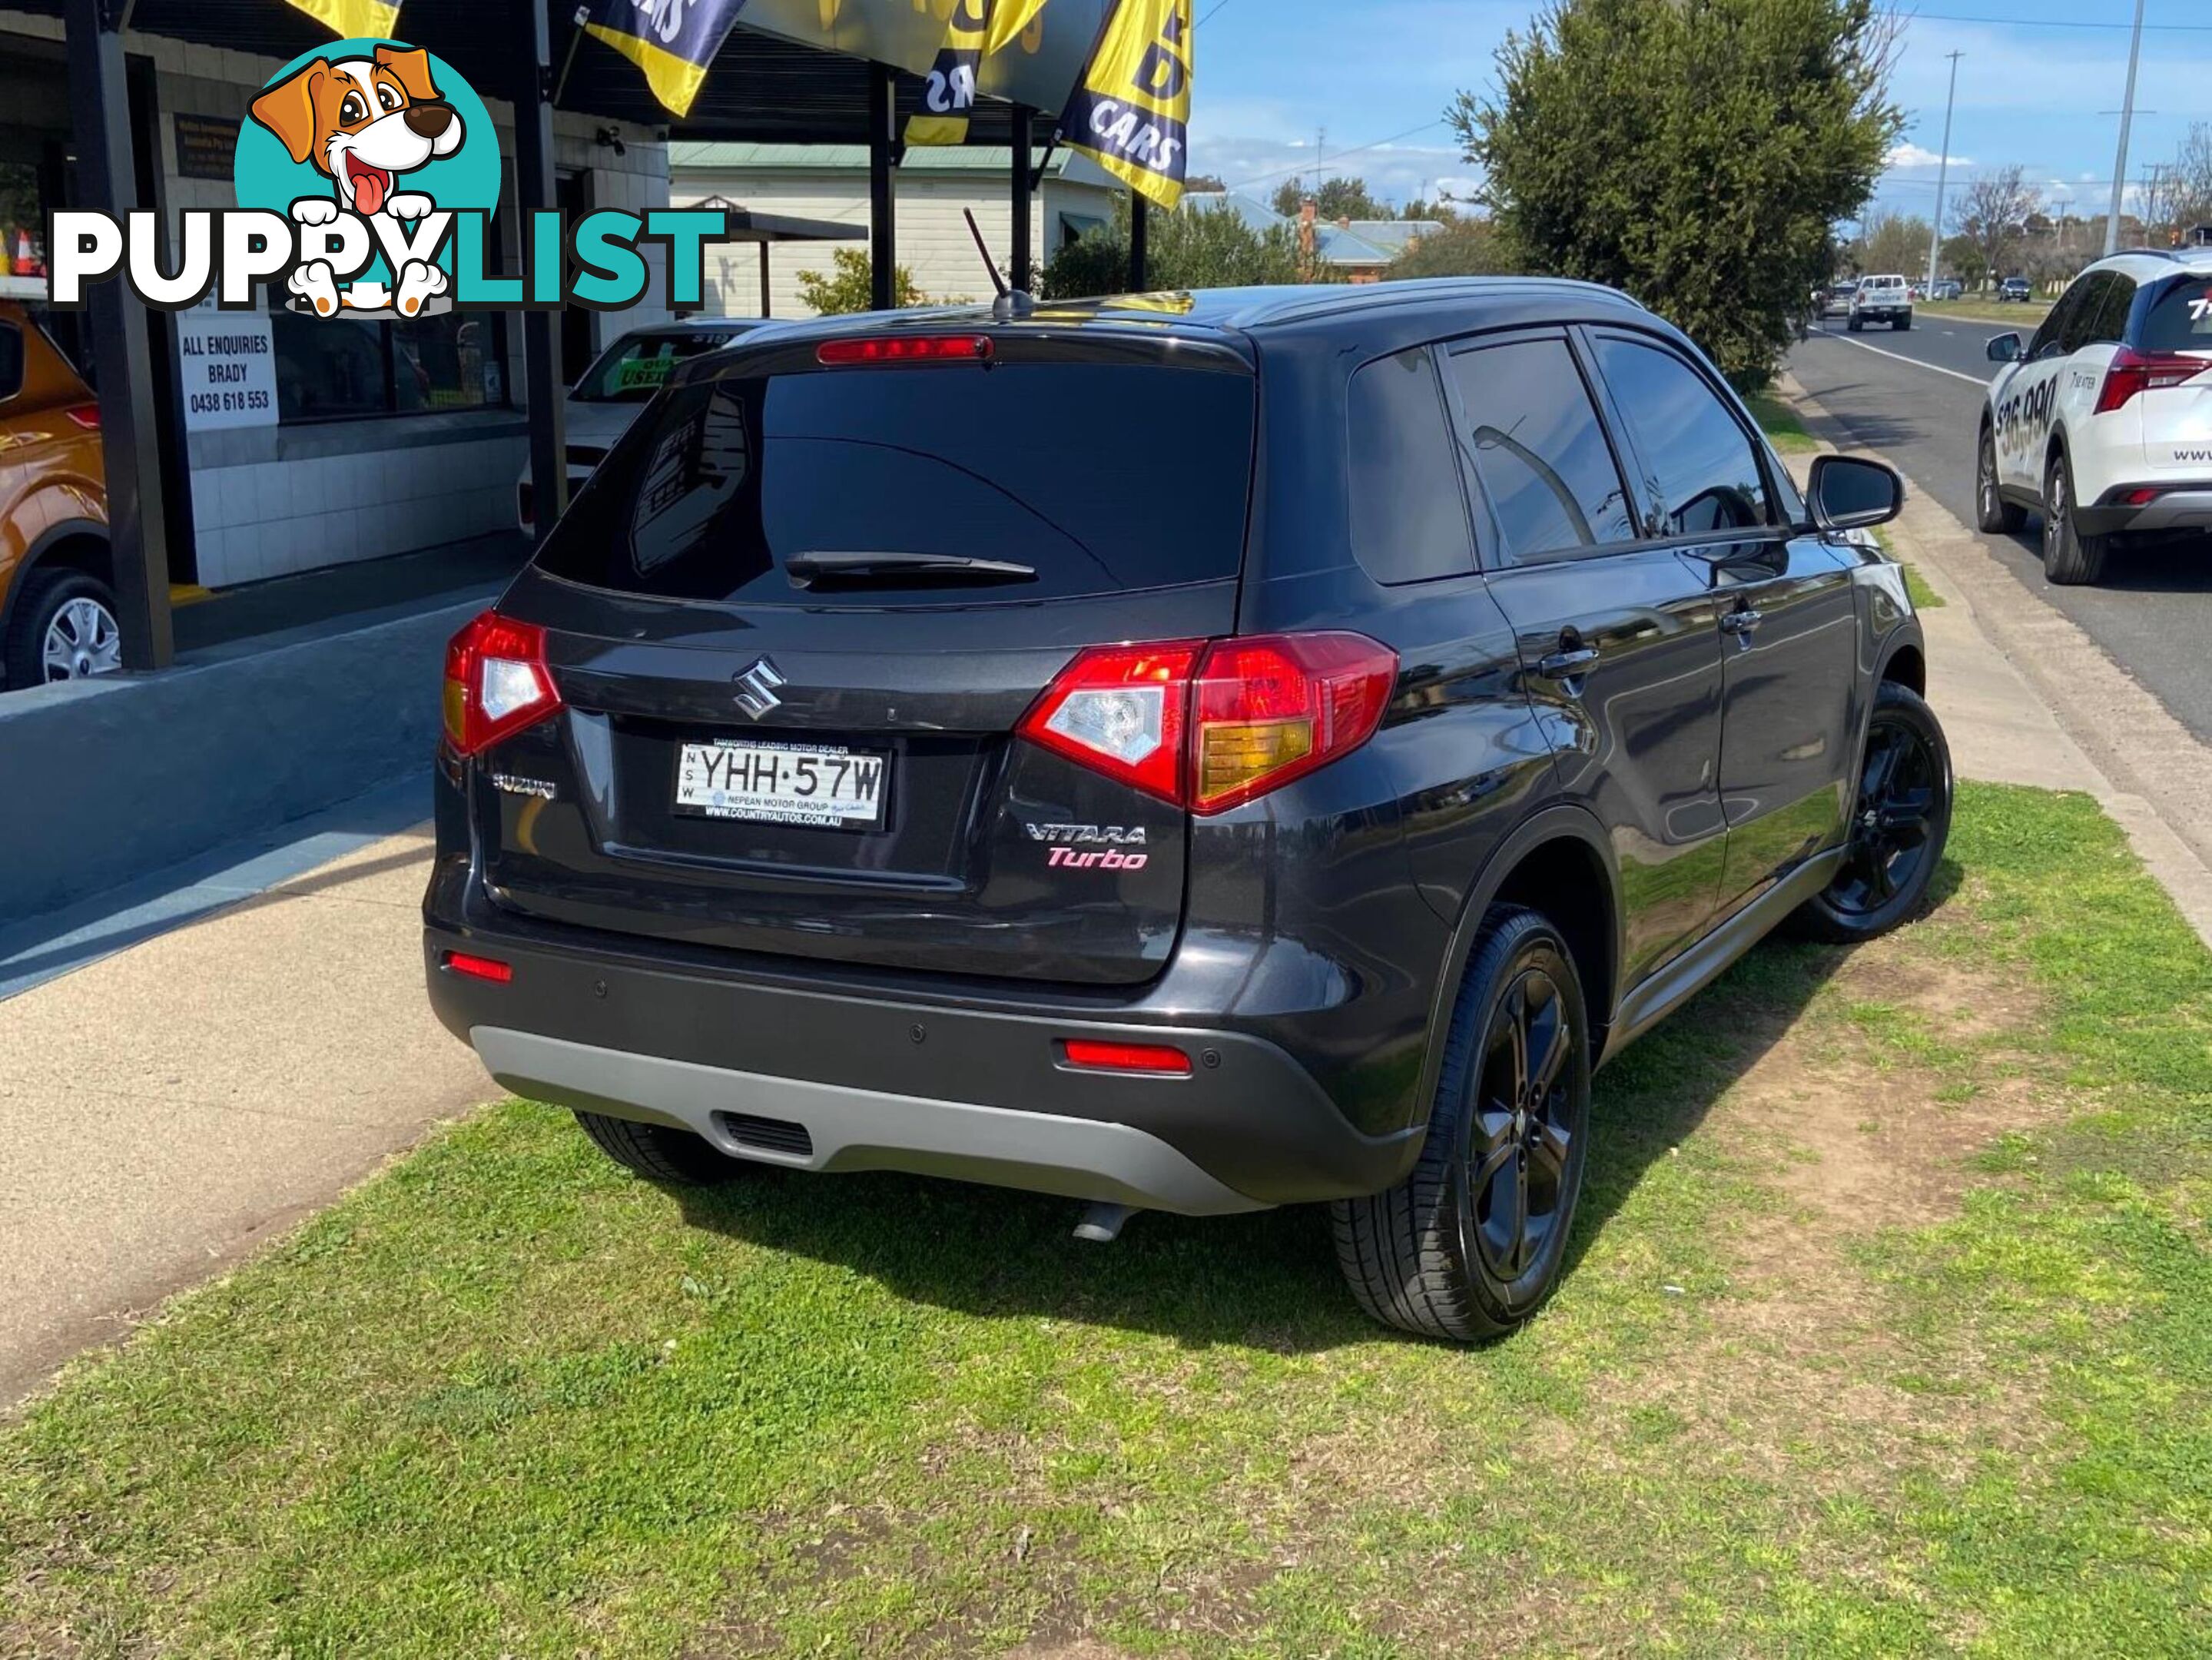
[1011, 302]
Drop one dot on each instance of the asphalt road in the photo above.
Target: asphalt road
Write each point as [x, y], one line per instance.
[1916, 397]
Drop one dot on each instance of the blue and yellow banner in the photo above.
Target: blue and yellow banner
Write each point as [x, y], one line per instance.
[354, 20]
[673, 41]
[1131, 111]
[975, 31]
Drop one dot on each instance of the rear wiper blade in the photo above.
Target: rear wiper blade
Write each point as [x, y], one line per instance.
[807, 568]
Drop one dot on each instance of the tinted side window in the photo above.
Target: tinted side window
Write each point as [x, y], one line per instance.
[1533, 436]
[2085, 306]
[11, 360]
[1703, 472]
[1408, 508]
[2179, 317]
[2048, 339]
[2111, 325]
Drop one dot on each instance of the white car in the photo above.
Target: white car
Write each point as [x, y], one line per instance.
[2102, 423]
[607, 397]
[1881, 299]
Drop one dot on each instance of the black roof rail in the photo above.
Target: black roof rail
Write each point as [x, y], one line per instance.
[2155, 253]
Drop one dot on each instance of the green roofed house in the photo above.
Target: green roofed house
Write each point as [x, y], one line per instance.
[829, 182]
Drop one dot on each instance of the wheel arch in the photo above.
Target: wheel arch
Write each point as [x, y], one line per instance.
[1907, 665]
[1559, 862]
[72, 544]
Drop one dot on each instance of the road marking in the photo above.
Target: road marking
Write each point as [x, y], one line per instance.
[1971, 380]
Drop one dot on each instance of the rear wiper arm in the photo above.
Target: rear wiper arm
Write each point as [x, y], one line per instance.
[893, 569]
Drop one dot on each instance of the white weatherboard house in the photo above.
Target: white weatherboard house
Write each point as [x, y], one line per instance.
[831, 182]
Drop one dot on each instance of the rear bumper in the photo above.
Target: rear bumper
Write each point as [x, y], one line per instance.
[2182, 509]
[847, 1080]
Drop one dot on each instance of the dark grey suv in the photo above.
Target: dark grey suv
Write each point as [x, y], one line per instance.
[1250, 749]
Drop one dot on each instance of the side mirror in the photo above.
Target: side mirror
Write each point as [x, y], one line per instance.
[1849, 492]
[2005, 348]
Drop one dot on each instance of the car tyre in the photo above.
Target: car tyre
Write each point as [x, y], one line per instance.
[1900, 820]
[63, 612]
[2069, 558]
[660, 1152]
[1855, 325]
[1993, 514]
[1904, 322]
[1473, 1240]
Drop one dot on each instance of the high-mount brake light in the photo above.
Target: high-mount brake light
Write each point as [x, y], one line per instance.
[905, 349]
[2132, 372]
[1211, 726]
[496, 682]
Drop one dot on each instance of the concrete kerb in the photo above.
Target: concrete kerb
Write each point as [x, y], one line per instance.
[2028, 698]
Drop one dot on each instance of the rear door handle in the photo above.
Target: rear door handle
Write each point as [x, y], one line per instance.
[1740, 622]
[1561, 664]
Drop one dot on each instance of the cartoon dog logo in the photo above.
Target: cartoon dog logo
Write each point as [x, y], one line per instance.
[363, 123]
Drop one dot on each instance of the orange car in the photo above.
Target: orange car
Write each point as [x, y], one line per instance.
[56, 604]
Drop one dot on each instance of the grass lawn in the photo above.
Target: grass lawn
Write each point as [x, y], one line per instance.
[2026, 316]
[1891, 1331]
[1780, 425]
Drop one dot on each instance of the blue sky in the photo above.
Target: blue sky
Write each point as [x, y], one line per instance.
[1372, 72]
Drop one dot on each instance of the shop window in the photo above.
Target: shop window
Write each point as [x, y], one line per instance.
[329, 368]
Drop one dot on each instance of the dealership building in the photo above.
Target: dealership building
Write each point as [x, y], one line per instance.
[364, 440]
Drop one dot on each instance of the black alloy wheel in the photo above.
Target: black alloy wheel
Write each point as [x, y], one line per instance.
[1900, 820]
[1474, 1238]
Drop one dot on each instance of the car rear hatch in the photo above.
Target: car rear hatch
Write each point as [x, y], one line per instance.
[795, 620]
[2167, 379]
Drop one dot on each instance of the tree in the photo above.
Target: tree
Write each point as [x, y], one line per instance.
[1963, 259]
[1443, 209]
[1339, 199]
[1206, 183]
[1892, 242]
[1692, 152]
[1464, 247]
[846, 287]
[1992, 213]
[1196, 247]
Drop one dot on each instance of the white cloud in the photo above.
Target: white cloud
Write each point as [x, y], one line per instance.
[1910, 155]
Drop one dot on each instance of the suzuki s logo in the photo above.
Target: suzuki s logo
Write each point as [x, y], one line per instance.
[756, 687]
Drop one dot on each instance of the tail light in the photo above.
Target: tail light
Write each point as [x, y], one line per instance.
[496, 682]
[479, 968]
[86, 416]
[2133, 371]
[1209, 726]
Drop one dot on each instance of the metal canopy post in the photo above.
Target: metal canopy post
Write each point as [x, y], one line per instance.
[883, 229]
[766, 305]
[535, 191]
[1138, 237]
[1020, 257]
[121, 343]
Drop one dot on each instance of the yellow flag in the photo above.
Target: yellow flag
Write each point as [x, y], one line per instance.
[354, 20]
[1009, 18]
[1131, 112]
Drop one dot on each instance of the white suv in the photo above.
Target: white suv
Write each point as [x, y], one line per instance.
[2102, 423]
[1881, 299]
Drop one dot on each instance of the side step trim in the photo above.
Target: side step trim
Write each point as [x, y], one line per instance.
[859, 1129]
[1662, 993]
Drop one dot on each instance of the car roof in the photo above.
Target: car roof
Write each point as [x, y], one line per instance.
[1457, 302]
[2148, 264]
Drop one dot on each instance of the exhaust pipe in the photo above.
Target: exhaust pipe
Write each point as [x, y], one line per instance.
[1102, 1222]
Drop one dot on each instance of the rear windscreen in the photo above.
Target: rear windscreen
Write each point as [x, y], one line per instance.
[1101, 477]
[2181, 317]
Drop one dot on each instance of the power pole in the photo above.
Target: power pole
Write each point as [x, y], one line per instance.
[2127, 115]
[1943, 173]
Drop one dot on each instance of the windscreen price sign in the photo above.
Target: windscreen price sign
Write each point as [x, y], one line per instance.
[229, 360]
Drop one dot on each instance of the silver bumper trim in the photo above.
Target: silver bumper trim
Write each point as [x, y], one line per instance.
[858, 1129]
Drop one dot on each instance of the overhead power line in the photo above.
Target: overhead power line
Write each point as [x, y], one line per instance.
[1335, 156]
[2036, 22]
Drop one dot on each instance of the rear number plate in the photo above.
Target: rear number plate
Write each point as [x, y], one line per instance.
[783, 784]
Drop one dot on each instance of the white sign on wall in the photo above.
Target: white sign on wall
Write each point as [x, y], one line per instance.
[229, 360]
